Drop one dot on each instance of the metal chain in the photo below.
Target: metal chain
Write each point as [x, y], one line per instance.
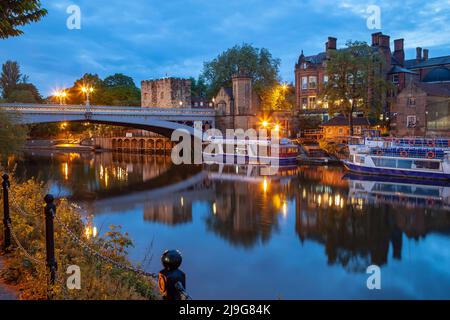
[98, 254]
[19, 208]
[182, 291]
[25, 252]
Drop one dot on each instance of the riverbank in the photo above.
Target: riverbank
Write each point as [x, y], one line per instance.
[101, 279]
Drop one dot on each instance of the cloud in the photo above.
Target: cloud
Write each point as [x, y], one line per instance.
[148, 38]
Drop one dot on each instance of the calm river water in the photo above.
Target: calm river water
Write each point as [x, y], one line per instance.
[307, 233]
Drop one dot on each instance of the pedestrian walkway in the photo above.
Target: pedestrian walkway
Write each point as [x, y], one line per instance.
[5, 292]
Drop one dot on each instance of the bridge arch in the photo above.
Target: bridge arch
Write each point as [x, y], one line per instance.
[159, 120]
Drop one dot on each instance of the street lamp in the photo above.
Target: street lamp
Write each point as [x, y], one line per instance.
[61, 95]
[87, 90]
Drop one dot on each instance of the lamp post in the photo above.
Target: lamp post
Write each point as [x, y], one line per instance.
[87, 90]
[61, 95]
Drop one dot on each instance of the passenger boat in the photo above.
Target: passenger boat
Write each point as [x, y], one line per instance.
[413, 157]
[256, 151]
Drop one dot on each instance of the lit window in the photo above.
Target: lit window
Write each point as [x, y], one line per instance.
[411, 121]
[304, 83]
[312, 82]
[311, 102]
[304, 103]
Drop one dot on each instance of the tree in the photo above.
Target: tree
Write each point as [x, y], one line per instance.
[15, 13]
[120, 89]
[118, 80]
[356, 81]
[242, 60]
[25, 93]
[199, 88]
[76, 96]
[278, 97]
[10, 77]
[114, 90]
[12, 135]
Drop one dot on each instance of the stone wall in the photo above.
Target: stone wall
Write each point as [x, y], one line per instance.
[166, 93]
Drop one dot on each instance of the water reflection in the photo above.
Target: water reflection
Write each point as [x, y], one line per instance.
[356, 221]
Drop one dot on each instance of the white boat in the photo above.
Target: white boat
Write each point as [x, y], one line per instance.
[256, 151]
[411, 157]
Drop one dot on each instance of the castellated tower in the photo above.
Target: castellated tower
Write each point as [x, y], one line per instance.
[242, 94]
[166, 93]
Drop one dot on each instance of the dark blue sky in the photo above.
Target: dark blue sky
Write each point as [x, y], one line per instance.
[149, 39]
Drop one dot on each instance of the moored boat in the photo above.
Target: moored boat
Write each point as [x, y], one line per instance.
[415, 158]
[256, 151]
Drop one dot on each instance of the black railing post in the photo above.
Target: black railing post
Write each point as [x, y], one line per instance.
[6, 218]
[170, 278]
[50, 211]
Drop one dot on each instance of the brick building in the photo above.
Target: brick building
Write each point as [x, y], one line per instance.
[423, 72]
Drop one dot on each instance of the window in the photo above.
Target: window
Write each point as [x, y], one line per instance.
[411, 101]
[312, 82]
[161, 95]
[404, 164]
[325, 79]
[395, 79]
[411, 121]
[360, 159]
[357, 130]
[341, 131]
[383, 162]
[304, 83]
[311, 102]
[304, 103]
[304, 65]
[431, 165]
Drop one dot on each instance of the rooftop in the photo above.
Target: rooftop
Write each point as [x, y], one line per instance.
[341, 120]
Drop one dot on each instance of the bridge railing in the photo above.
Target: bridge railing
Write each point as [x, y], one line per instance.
[51, 108]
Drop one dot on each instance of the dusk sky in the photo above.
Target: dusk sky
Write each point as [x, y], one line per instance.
[149, 39]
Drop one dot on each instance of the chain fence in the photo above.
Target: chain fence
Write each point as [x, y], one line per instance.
[84, 245]
[20, 246]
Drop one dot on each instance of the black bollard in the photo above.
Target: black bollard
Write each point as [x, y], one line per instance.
[6, 218]
[171, 275]
[50, 211]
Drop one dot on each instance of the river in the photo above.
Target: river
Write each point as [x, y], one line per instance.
[307, 233]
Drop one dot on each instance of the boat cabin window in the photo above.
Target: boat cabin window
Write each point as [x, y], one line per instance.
[359, 159]
[406, 164]
[433, 165]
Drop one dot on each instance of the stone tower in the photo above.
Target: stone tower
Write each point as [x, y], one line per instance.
[166, 93]
[242, 94]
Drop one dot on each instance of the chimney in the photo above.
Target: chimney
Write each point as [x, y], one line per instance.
[384, 40]
[375, 38]
[399, 52]
[425, 54]
[418, 53]
[331, 44]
